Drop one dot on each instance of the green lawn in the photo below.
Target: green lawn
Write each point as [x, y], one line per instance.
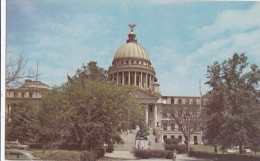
[45, 156]
[210, 149]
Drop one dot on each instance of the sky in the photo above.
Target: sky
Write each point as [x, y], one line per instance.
[181, 37]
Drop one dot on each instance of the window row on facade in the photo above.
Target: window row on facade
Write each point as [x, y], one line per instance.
[181, 138]
[131, 62]
[17, 94]
[182, 101]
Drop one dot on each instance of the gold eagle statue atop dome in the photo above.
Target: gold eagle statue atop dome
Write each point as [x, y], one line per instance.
[132, 26]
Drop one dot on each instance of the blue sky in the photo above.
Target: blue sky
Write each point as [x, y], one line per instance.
[181, 38]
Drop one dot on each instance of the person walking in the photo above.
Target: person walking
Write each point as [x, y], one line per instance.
[174, 155]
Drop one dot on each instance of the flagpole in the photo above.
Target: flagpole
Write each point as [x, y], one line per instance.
[200, 108]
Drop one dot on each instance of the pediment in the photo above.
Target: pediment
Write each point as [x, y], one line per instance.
[147, 97]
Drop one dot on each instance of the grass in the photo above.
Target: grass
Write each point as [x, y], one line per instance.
[205, 148]
[45, 155]
[210, 149]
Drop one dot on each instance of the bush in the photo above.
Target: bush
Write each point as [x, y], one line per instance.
[110, 148]
[148, 153]
[181, 149]
[99, 153]
[200, 154]
[224, 157]
[77, 155]
[67, 156]
[36, 146]
[68, 146]
[237, 157]
[172, 141]
[88, 156]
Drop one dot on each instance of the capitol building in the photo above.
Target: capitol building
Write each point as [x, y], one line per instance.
[132, 66]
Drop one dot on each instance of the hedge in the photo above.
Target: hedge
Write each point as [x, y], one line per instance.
[172, 141]
[181, 149]
[149, 153]
[237, 157]
[224, 157]
[77, 155]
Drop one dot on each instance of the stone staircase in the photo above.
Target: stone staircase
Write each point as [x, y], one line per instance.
[130, 142]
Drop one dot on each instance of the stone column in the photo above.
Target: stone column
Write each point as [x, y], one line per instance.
[117, 75]
[146, 80]
[155, 115]
[150, 85]
[135, 78]
[141, 80]
[146, 114]
[123, 77]
[113, 77]
[129, 76]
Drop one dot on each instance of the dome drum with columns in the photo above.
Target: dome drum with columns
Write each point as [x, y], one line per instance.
[131, 65]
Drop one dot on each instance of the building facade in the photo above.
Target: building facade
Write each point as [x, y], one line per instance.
[30, 91]
[132, 66]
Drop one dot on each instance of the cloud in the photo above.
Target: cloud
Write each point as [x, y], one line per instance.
[232, 21]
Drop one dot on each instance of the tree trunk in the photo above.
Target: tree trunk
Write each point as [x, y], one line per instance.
[215, 148]
[240, 149]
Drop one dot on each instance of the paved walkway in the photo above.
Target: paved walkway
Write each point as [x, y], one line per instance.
[128, 156]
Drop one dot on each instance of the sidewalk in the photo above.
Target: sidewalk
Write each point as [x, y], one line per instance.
[128, 156]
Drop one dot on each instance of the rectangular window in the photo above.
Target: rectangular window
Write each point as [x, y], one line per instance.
[164, 126]
[172, 101]
[172, 136]
[187, 101]
[164, 137]
[22, 94]
[179, 101]
[195, 138]
[172, 126]
[30, 94]
[180, 138]
[194, 101]
[15, 94]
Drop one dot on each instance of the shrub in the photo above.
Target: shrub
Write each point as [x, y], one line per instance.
[67, 156]
[99, 153]
[224, 157]
[237, 157]
[148, 153]
[77, 155]
[36, 146]
[172, 141]
[110, 148]
[68, 146]
[179, 148]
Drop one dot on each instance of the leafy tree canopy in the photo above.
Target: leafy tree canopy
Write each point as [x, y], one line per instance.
[233, 103]
[95, 110]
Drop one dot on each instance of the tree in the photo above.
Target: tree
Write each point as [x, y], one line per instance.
[23, 124]
[187, 118]
[15, 70]
[232, 104]
[95, 110]
[52, 119]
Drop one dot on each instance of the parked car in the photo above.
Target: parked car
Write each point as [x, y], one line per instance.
[247, 151]
[236, 150]
[233, 150]
[16, 145]
[16, 154]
